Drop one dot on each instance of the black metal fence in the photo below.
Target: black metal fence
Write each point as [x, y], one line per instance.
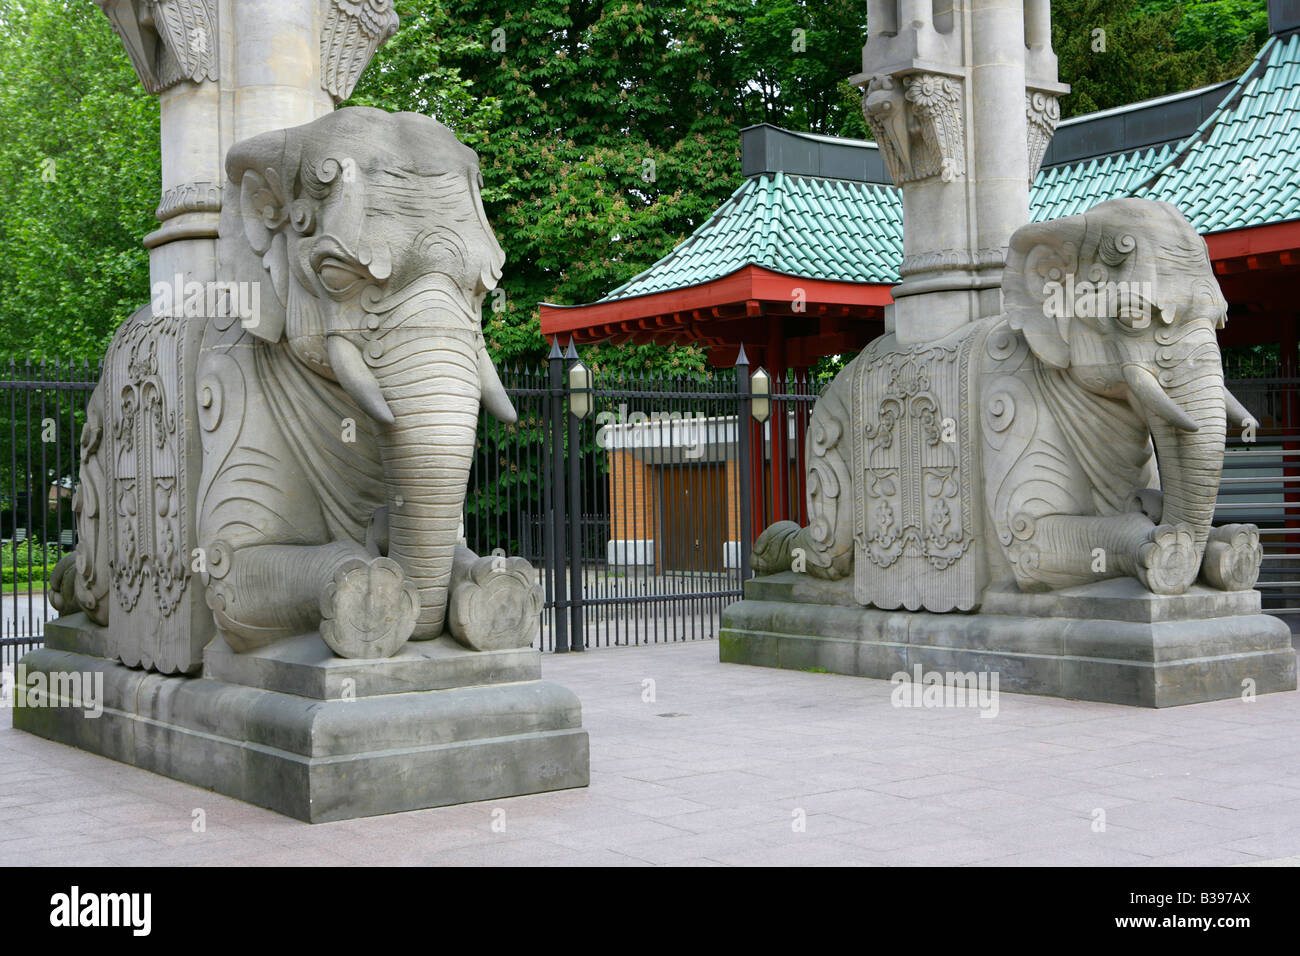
[629, 494]
[45, 406]
[634, 496]
[1261, 472]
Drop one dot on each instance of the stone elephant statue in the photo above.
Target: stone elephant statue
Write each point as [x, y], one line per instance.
[339, 423]
[337, 409]
[1077, 436]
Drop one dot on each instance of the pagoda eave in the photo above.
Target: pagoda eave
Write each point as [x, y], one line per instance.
[725, 312]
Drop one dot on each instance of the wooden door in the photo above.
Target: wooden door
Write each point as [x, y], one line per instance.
[693, 517]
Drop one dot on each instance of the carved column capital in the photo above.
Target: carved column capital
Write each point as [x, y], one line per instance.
[1043, 111]
[353, 30]
[168, 41]
[917, 121]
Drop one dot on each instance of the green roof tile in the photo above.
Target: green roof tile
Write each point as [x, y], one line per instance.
[795, 225]
[1242, 167]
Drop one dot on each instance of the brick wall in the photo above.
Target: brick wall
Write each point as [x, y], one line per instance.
[633, 498]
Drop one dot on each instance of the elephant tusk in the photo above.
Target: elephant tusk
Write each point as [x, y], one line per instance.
[494, 396]
[357, 379]
[1236, 411]
[1154, 400]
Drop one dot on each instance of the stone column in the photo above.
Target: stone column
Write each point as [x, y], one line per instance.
[961, 97]
[276, 68]
[1038, 24]
[882, 17]
[1000, 134]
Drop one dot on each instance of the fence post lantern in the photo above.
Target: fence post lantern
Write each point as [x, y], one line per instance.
[579, 390]
[760, 388]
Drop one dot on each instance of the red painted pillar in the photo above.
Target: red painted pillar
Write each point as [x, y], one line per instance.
[779, 425]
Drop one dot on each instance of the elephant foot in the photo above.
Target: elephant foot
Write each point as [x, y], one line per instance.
[772, 550]
[369, 609]
[495, 601]
[1167, 560]
[1232, 557]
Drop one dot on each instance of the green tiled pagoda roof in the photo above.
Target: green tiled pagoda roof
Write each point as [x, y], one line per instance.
[1240, 168]
[796, 225]
[1066, 190]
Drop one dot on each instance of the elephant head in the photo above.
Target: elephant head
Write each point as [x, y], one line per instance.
[1123, 301]
[371, 230]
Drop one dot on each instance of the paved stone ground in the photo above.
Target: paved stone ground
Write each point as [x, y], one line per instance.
[725, 761]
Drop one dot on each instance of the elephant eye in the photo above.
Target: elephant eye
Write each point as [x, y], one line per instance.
[338, 276]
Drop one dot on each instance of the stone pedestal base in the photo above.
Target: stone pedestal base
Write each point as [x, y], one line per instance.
[294, 729]
[1110, 641]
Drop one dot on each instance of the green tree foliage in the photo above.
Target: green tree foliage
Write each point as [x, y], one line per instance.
[608, 129]
[27, 564]
[1230, 28]
[796, 59]
[79, 179]
[1114, 52]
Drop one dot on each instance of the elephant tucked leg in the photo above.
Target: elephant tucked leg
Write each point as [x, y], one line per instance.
[62, 591]
[364, 605]
[824, 548]
[784, 546]
[1067, 550]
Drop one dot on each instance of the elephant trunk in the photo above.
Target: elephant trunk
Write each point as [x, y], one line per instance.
[1191, 459]
[431, 383]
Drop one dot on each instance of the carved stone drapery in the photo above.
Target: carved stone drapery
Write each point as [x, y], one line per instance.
[353, 30]
[144, 518]
[916, 513]
[91, 583]
[1043, 111]
[917, 120]
[168, 41]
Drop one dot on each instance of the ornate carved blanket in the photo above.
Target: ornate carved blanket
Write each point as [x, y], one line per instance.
[916, 519]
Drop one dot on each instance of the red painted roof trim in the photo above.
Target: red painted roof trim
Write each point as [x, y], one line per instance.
[754, 283]
[1254, 240]
[745, 284]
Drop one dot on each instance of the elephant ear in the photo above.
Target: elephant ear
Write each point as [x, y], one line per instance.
[1041, 257]
[495, 261]
[255, 207]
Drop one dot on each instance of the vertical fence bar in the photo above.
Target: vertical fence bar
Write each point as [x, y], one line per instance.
[577, 630]
[30, 488]
[44, 486]
[11, 546]
[555, 557]
[57, 366]
[543, 522]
